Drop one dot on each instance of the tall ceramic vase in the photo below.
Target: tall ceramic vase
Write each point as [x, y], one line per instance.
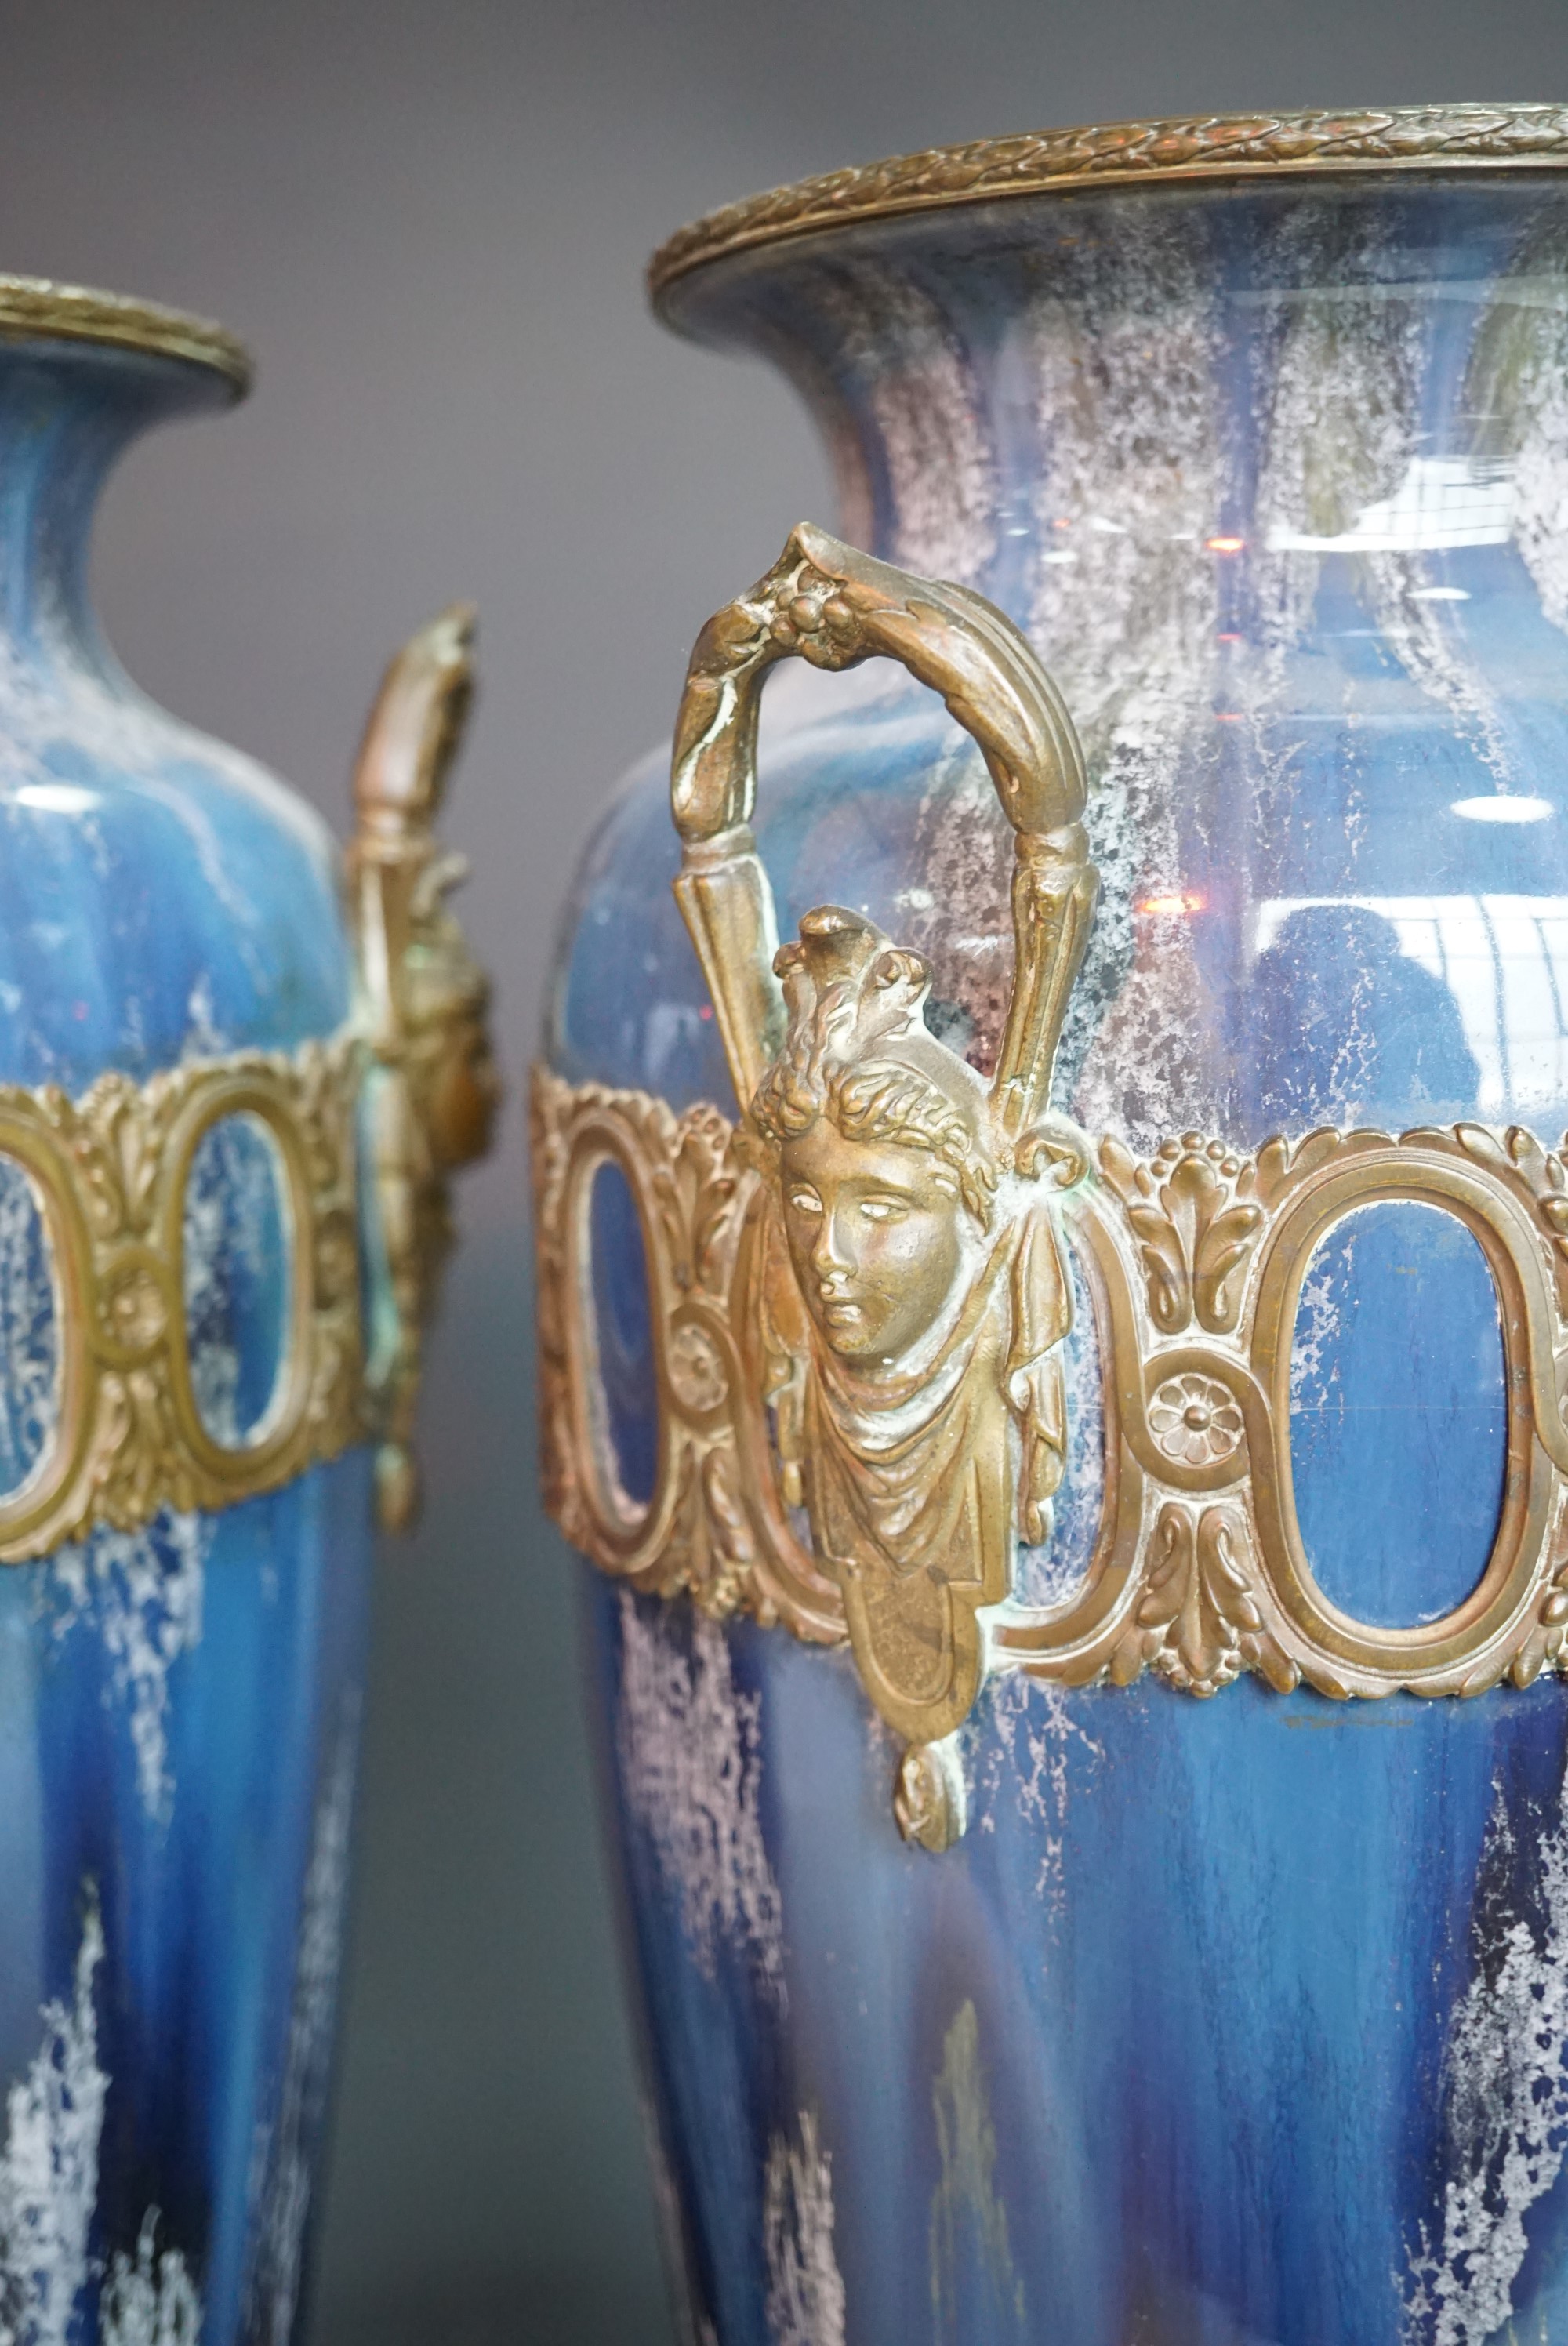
[1052, 1279]
[229, 1097]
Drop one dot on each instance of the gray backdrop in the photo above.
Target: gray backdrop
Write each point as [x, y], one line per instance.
[430, 223]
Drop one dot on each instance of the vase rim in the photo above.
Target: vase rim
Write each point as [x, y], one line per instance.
[37, 309]
[1186, 148]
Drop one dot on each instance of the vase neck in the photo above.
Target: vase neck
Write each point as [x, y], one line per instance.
[1040, 396]
[68, 409]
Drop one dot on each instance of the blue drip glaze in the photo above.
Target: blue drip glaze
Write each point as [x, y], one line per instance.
[1265, 1992]
[179, 1708]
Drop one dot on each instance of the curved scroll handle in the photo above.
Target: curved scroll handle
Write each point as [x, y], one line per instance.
[432, 1090]
[834, 607]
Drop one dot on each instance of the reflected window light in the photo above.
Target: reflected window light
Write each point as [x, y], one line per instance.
[1224, 545]
[58, 798]
[1442, 501]
[1504, 960]
[1440, 594]
[1500, 807]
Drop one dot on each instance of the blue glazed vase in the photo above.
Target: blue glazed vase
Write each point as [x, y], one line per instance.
[185, 1513]
[1226, 2020]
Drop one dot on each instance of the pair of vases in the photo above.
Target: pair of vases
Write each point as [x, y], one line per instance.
[1047, 1216]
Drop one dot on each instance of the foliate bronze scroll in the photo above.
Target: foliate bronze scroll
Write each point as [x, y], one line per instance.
[1201, 1572]
[432, 1086]
[718, 1524]
[1194, 1259]
[901, 1272]
[860, 1290]
[111, 1172]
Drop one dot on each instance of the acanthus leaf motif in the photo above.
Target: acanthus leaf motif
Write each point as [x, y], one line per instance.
[1196, 1219]
[1198, 1604]
[1197, 1588]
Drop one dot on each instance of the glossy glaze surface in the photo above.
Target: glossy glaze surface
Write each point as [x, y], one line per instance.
[179, 1708]
[1231, 2021]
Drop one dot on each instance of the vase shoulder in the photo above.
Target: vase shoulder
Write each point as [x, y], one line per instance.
[161, 895]
[1268, 468]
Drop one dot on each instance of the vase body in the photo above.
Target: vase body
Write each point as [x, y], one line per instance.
[179, 1699]
[1230, 2020]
